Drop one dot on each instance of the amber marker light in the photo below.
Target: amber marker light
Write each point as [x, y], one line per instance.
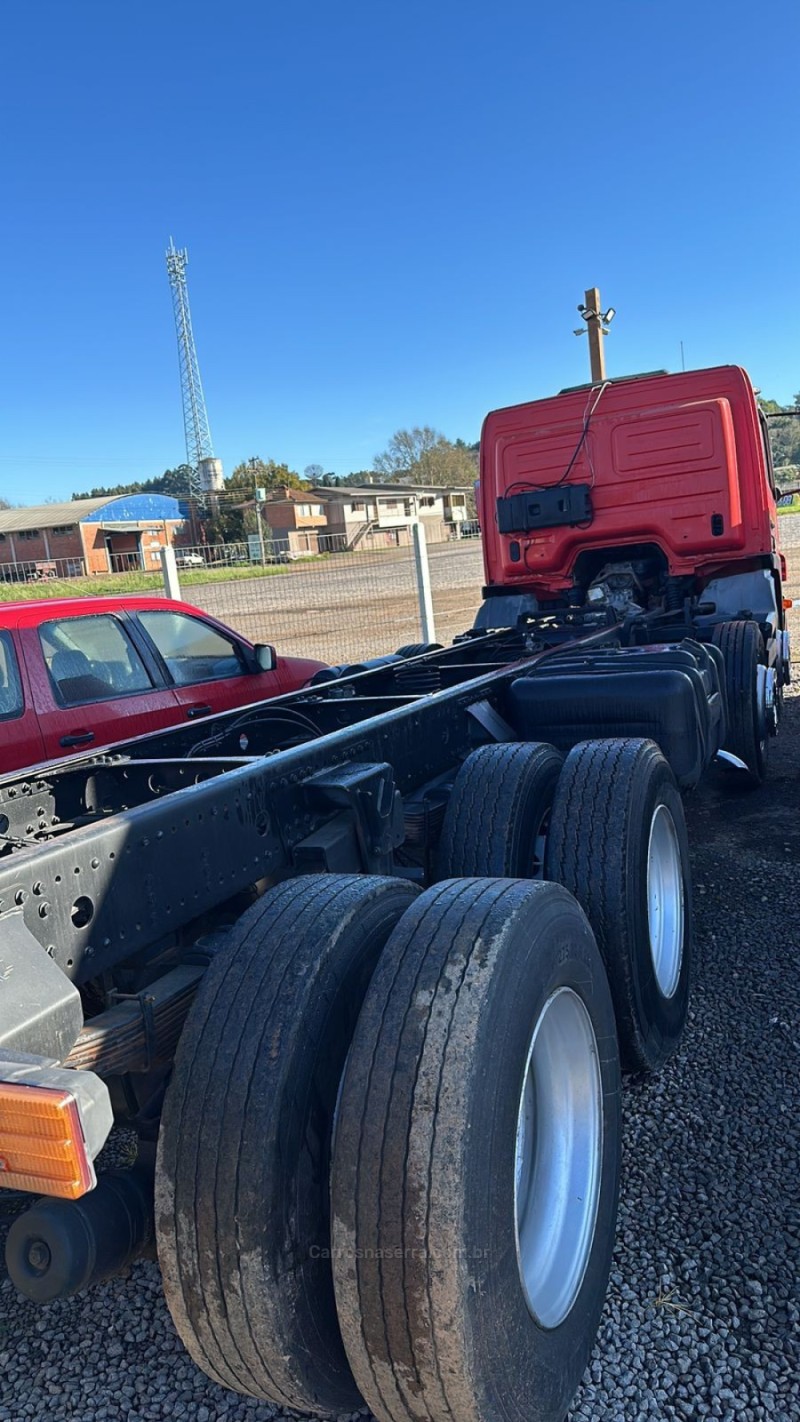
[42, 1144]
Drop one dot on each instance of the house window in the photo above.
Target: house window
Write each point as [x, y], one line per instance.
[316, 510]
[62, 529]
[304, 510]
[428, 502]
[457, 500]
[29, 533]
[358, 507]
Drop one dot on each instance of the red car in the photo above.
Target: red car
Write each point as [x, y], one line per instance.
[84, 672]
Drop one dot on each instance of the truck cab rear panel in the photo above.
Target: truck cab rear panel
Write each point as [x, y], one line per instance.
[673, 463]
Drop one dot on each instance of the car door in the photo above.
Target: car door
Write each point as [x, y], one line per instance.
[20, 738]
[210, 669]
[94, 686]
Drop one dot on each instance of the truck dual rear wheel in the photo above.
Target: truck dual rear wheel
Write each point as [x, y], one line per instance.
[618, 841]
[497, 814]
[742, 646]
[476, 1158]
[242, 1201]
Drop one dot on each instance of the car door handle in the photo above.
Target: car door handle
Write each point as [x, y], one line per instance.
[81, 739]
[198, 710]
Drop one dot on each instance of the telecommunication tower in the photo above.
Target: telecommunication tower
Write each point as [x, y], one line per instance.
[206, 470]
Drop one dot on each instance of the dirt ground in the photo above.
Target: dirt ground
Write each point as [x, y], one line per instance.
[346, 609]
[701, 1317]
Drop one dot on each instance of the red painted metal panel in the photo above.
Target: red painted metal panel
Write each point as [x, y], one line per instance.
[670, 459]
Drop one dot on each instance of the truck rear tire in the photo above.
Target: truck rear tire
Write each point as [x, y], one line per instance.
[742, 646]
[498, 811]
[476, 1158]
[242, 1197]
[618, 841]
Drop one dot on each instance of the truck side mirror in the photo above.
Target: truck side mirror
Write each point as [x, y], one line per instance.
[266, 657]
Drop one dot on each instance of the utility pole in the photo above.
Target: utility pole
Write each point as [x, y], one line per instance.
[258, 496]
[597, 323]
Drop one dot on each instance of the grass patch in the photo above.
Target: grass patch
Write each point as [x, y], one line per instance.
[107, 585]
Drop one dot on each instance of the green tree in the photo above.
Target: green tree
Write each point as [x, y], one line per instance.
[784, 434]
[235, 514]
[359, 478]
[175, 482]
[262, 474]
[406, 453]
[424, 456]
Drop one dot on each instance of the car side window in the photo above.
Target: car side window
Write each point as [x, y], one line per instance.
[11, 703]
[191, 649]
[91, 659]
[767, 448]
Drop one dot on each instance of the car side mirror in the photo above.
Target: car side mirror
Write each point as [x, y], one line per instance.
[266, 657]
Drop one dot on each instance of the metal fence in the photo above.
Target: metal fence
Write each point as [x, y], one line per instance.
[345, 606]
[41, 570]
[333, 602]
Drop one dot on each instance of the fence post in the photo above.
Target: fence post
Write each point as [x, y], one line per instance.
[169, 571]
[423, 573]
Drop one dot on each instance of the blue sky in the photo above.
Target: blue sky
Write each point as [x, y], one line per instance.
[391, 211]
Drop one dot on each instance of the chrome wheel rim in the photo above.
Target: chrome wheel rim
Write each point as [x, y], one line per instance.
[767, 702]
[540, 846]
[665, 913]
[558, 1156]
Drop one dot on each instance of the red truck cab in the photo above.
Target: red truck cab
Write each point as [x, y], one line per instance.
[82, 673]
[670, 472]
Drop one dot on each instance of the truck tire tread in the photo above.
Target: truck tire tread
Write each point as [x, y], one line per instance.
[602, 810]
[501, 797]
[414, 1096]
[742, 646]
[242, 1115]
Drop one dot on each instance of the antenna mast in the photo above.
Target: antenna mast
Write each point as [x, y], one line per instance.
[206, 470]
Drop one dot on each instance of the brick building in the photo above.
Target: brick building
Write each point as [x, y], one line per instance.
[89, 536]
[375, 516]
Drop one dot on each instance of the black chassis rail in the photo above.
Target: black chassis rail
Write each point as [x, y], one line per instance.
[105, 856]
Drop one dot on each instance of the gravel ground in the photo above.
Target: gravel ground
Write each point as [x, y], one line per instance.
[349, 607]
[703, 1313]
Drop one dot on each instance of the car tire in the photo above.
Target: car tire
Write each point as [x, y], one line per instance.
[242, 1200]
[497, 814]
[618, 842]
[445, 1179]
